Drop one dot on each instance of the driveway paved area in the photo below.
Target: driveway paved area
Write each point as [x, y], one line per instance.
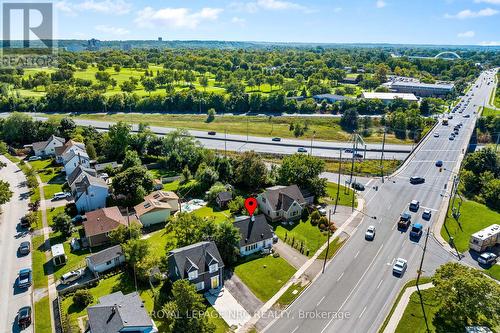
[228, 307]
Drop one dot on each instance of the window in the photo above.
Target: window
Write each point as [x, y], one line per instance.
[200, 286]
[213, 268]
[263, 199]
[108, 263]
[192, 275]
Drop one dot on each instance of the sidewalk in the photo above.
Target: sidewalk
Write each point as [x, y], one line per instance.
[401, 307]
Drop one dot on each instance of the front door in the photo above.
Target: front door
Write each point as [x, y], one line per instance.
[214, 282]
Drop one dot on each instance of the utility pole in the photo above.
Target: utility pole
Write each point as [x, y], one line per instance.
[382, 156]
[418, 278]
[338, 183]
[247, 128]
[225, 143]
[130, 236]
[353, 153]
[327, 241]
[312, 139]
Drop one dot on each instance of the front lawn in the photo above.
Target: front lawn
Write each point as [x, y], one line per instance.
[42, 315]
[474, 217]
[413, 318]
[172, 186]
[494, 272]
[38, 259]
[75, 259]
[214, 317]
[301, 233]
[345, 195]
[52, 212]
[51, 189]
[219, 216]
[41, 164]
[265, 276]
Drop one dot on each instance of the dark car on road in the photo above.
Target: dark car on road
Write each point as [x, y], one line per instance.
[276, 139]
[24, 279]
[414, 205]
[24, 248]
[439, 163]
[416, 231]
[212, 133]
[24, 317]
[487, 258]
[417, 180]
[358, 186]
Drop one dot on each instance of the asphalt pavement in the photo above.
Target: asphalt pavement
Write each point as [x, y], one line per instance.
[358, 288]
[13, 298]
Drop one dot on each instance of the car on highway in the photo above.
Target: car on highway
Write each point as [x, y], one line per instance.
[24, 317]
[212, 133]
[72, 276]
[370, 233]
[439, 163]
[34, 158]
[451, 137]
[358, 186]
[404, 221]
[466, 115]
[60, 196]
[426, 215]
[399, 266]
[302, 150]
[487, 258]
[436, 134]
[24, 248]
[455, 132]
[414, 205]
[348, 150]
[24, 278]
[417, 180]
[450, 116]
[358, 155]
[416, 231]
[276, 139]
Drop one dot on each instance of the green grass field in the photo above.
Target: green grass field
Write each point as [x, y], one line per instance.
[474, 217]
[490, 112]
[218, 216]
[42, 315]
[265, 276]
[51, 189]
[345, 195]
[75, 259]
[364, 167]
[301, 232]
[38, 259]
[291, 294]
[413, 318]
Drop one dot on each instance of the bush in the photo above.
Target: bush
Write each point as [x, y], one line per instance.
[315, 218]
[83, 298]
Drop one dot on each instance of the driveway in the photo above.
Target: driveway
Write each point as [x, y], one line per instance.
[49, 203]
[291, 255]
[12, 298]
[242, 294]
[228, 307]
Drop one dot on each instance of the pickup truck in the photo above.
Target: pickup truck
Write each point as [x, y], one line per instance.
[404, 221]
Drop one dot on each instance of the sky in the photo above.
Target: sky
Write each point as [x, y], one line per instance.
[464, 22]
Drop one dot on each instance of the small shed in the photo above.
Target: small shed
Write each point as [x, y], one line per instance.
[223, 198]
[58, 255]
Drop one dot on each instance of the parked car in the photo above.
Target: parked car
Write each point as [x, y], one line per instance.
[426, 215]
[72, 276]
[487, 258]
[212, 133]
[370, 233]
[24, 279]
[414, 205]
[417, 180]
[416, 231]
[275, 239]
[276, 139]
[358, 155]
[61, 195]
[436, 134]
[358, 186]
[34, 158]
[322, 211]
[75, 244]
[439, 163]
[24, 317]
[78, 219]
[24, 248]
[302, 150]
[399, 266]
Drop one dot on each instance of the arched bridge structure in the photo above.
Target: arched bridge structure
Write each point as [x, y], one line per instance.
[447, 55]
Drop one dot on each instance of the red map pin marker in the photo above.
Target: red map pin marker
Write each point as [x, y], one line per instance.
[250, 205]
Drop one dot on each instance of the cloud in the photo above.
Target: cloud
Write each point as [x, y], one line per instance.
[112, 30]
[337, 9]
[380, 4]
[254, 6]
[466, 34]
[239, 21]
[175, 17]
[492, 2]
[115, 7]
[490, 43]
[467, 13]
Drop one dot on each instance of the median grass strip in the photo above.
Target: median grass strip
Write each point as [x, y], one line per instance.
[42, 316]
[473, 217]
[333, 247]
[364, 167]
[291, 294]
[264, 276]
[39, 262]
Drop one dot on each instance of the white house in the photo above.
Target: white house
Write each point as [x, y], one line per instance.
[255, 233]
[281, 203]
[106, 259]
[73, 158]
[88, 190]
[47, 148]
[59, 151]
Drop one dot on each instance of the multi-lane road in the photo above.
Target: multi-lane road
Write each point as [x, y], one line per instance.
[358, 288]
[11, 297]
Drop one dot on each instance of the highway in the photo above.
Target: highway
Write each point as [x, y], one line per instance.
[12, 298]
[357, 290]
[241, 143]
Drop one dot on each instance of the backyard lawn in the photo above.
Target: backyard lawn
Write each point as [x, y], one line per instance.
[173, 186]
[219, 216]
[75, 259]
[265, 276]
[301, 232]
[158, 241]
[52, 212]
[345, 195]
[474, 217]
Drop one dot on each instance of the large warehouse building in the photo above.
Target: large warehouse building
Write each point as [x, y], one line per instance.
[422, 89]
[389, 97]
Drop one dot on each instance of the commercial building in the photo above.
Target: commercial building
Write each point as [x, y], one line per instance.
[422, 89]
[389, 97]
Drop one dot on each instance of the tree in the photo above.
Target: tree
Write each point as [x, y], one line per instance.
[213, 192]
[491, 194]
[62, 223]
[117, 68]
[5, 192]
[118, 137]
[149, 85]
[349, 120]
[250, 171]
[135, 250]
[303, 171]
[128, 86]
[206, 176]
[133, 184]
[66, 127]
[189, 228]
[467, 297]
[227, 238]
[131, 160]
[204, 82]
[83, 298]
[481, 161]
[19, 128]
[90, 148]
[210, 115]
[237, 205]
[425, 107]
[122, 234]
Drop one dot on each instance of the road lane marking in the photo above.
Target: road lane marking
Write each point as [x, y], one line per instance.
[394, 226]
[380, 283]
[357, 253]
[352, 290]
[340, 277]
[362, 312]
[321, 300]
[295, 329]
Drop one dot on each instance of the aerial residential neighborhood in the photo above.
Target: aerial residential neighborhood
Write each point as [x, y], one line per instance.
[253, 166]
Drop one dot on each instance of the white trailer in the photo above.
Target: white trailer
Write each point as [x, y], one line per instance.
[486, 238]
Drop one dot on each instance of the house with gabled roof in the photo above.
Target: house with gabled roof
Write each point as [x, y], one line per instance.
[101, 222]
[282, 203]
[200, 264]
[255, 234]
[106, 259]
[165, 196]
[73, 158]
[47, 147]
[117, 313]
[89, 191]
[152, 211]
[69, 145]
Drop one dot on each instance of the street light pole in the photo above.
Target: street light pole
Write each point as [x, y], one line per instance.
[327, 241]
[418, 278]
[382, 156]
[338, 183]
[353, 153]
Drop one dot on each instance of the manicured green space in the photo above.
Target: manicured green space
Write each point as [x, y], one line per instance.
[265, 276]
[39, 262]
[13, 159]
[51, 189]
[493, 271]
[345, 195]
[75, 259]
[52, 212]
[301, 233]
[333, 247]
[291, 294]
[218, 216]
[362, 168]
[172, 186]
[159, 173]
[213, 317]
[413, 318]
[474, 217]
[42, 316]
[41, 164]
[158, 241]
[490, 112]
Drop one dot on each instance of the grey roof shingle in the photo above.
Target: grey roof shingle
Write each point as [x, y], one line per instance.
[105, 255]
[253, 231]
[197, 255]
[283, 198]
